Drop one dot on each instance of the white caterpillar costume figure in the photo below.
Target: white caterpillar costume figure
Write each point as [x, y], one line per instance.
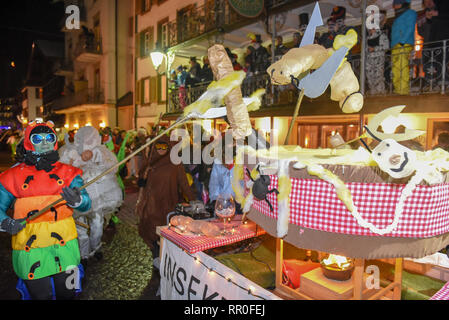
[93, 158]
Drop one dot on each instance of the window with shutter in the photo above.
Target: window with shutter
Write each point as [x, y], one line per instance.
[162, 33]
[146, 42]
[147, 91]
[153, 89]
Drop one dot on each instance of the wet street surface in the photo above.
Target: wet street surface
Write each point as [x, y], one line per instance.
[125, 272]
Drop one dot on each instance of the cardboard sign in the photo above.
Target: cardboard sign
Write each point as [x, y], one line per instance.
[184, 278]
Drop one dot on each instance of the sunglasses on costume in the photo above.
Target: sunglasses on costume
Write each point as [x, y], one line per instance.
[161, 146]
[37, 138]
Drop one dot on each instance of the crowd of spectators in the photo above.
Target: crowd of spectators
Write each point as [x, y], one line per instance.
[398, 36]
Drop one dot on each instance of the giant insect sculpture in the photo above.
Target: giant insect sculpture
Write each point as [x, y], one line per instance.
[260, 185]
[330, 68]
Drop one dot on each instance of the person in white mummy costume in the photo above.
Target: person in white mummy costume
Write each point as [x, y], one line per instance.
[88, 154]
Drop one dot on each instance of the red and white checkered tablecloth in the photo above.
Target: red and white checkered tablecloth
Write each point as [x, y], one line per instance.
[193, 244]
[314, 204]
[443, 294]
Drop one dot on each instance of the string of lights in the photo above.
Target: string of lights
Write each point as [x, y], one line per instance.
[250, 290]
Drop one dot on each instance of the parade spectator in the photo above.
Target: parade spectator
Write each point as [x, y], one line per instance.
[280, 48]
[296, 40]
[377, 44]
[249, 60]
[139, 141]
[173, 80]
[338, 15]
[233, 57]
[116, 139]
[194, 72]
[181, 82]
[327, 38]
[206, 71]
[440, 21]
[303, 22]
[424, 20]
[402, 42]
[13, 140]
[261, 56]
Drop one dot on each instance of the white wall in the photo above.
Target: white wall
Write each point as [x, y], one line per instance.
[33, 103]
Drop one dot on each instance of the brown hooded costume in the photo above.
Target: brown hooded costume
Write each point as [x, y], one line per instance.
[166, 184]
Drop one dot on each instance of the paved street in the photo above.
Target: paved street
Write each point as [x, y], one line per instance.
[125, 272]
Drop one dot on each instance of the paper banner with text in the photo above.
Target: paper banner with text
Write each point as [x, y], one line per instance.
[200, 277]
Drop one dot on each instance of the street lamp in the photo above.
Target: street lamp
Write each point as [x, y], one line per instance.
[157, 58]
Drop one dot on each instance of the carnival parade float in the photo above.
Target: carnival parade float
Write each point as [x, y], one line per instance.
[382, 200]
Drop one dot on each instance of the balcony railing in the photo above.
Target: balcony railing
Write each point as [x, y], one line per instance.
[423, 73]
[420, 72]
[87, 96]
[198, 20]
[88, 44]
[275, 95]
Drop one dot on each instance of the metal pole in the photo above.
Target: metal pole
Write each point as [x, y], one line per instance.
[295, 115]
[443, 75]
[273, 50]
[135, 69]
[363, 53]
[114, 167]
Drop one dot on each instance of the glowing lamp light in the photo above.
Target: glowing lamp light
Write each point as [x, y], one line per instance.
[102, 124]
[66, 126]
[157, 58]
[88, 124]
[76, 126]
[340, 261]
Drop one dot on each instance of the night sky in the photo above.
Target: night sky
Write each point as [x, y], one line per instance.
[22, 22]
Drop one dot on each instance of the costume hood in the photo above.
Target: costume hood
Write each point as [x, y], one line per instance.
[43, 161]
[87, 138]
[155, 157]
[37, 127]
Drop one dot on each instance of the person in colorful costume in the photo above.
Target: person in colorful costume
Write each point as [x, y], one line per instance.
[46, 255]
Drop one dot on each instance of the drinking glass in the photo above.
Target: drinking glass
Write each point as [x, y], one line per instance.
[225, 209]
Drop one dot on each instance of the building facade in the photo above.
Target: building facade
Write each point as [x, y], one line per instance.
[188, 28]
[98, 66]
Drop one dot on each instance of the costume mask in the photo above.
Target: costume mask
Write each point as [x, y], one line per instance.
[40, 144]
[43, 142]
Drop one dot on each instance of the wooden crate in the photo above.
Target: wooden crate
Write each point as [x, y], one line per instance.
[317, 286]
